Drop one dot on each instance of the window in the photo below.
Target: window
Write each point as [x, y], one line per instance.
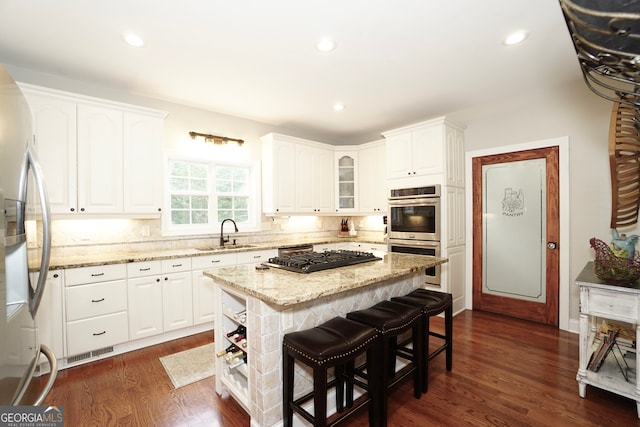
[232, 193]
[202, 195]
[189, 193]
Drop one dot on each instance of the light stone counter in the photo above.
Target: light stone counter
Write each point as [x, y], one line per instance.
[284, 288]
[90, 259]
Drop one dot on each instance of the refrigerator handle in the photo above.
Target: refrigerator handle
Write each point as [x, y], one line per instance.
[53, 363]
[36, 296]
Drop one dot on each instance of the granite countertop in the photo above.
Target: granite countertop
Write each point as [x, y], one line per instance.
[97, 259]
[284, 288]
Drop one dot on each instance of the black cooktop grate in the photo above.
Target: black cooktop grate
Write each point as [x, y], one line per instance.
[308, 262]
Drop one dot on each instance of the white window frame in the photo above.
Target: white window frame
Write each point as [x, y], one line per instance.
[213, 227]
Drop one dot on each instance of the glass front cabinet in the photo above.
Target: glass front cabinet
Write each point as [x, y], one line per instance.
[346, 183]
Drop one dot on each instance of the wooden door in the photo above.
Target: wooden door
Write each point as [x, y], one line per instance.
[511, 260]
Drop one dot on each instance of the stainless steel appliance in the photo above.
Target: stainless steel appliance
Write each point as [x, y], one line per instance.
[414, 224]
[20, 349]
[418, 247]
[308, 262]
[414, 213]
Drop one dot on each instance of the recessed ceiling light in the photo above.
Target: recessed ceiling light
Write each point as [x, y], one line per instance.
[515, 38]
[326, 45]
[133, 39]
[338, 107]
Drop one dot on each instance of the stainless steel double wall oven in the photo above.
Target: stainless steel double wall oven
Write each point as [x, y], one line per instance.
[414, 224]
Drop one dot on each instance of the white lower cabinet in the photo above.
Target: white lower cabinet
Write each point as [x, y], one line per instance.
[50, 317]
[203, 295]
[96, 309]
[254, 257]
[97, 333]
[177, 294]
[144, 289]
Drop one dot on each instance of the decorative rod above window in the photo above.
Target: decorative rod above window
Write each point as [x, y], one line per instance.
[215, 139]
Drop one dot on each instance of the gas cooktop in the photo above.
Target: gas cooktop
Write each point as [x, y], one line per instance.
[308, 262]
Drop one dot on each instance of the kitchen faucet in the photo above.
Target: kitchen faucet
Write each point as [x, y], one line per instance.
[222, 239]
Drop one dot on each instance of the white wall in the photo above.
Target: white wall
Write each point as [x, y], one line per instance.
[574, 112]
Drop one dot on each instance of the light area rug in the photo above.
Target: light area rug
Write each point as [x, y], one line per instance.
[190, 365]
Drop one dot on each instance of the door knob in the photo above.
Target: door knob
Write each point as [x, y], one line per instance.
[552, 245]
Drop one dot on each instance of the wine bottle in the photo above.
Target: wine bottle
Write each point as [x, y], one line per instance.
[229, 357]
[240, 330]
[232, 348]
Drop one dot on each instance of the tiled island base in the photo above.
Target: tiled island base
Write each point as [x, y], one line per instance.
[268, 327]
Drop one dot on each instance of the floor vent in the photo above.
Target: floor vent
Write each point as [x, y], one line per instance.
[79, 357]
[102, 351]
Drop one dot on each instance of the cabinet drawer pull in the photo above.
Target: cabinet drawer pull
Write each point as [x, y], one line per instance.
[97, 300]
[145, 269]
[97, 274]
[176, 265]
[215, 260]
[257, 256]
[99, 333]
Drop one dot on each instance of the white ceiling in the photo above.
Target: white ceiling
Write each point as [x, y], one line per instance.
[396, 62]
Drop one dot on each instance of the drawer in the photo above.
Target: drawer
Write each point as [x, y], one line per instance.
[145, 268]
[256, 256]
[101, 273]
[370, 247]
[96, 299]
[612, 305]
[97, 332]
[213, 261]
[175, 265]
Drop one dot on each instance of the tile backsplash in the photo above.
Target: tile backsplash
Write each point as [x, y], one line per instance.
[74, 237]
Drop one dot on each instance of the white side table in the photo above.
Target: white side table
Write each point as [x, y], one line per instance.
[601, 301]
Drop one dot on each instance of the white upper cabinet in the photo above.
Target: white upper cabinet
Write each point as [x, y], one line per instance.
[372, 187]
[297, 176]
[99, 159]
[346, 181]
[432, 149]
[142, 163]
[278, 174]
[313, 179]
[97, 156]
[55, 129]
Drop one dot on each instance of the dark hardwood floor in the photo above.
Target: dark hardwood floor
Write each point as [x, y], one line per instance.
[506, 372]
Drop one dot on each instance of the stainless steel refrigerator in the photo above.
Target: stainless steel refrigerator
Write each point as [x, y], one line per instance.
[21, 185]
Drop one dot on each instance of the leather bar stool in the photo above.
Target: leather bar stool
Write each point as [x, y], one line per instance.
[334, 343]
[432, 303]
[391, 320]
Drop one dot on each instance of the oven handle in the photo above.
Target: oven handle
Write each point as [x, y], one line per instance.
[414, 243]
[413, 202]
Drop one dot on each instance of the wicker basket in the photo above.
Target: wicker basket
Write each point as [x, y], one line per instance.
[613, 269]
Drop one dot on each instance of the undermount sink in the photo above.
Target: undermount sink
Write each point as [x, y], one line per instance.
[224, 248]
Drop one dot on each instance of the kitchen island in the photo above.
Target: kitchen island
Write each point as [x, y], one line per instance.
[279, 301]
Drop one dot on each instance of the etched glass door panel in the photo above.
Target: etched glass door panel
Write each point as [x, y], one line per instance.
[514, 229]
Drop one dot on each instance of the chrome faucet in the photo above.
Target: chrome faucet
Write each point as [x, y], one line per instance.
[222, 239]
